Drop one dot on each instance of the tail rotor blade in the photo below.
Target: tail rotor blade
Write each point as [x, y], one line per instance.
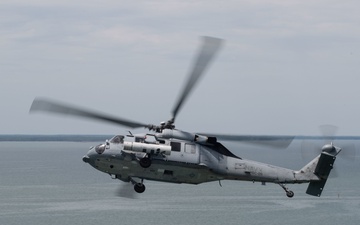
[328, 131]
[348, 152]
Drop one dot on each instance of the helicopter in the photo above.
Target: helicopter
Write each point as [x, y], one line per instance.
[168, 154]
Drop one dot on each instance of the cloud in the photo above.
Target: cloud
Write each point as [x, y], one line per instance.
[69, 49]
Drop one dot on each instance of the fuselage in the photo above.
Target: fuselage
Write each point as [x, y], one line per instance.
[188, 162]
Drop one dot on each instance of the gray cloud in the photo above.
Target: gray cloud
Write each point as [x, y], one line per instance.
[286, 67]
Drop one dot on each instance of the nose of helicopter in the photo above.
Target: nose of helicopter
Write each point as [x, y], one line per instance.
[89, 157]
[86, 159]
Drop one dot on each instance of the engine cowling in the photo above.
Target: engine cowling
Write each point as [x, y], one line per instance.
[153, 149]
[186, 136]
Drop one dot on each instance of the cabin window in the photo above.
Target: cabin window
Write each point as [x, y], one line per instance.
[168, 172]
[190, 148]
[175, 146]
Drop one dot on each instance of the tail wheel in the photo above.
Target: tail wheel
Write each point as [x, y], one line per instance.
[290, 194]
[139, 187]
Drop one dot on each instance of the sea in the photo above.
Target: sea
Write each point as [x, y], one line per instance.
[43, 180]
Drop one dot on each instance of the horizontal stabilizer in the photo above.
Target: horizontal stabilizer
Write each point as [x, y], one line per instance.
[322, 171]
[315, 188]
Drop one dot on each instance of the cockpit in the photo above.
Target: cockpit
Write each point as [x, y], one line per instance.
[118, 139]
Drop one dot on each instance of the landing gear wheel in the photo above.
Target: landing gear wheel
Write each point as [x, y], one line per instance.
[145, 162]
[139, 187]
[290, 194]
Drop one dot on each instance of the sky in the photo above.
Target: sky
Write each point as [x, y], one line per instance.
[286, 67]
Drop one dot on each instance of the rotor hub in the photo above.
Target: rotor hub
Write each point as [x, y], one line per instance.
[329, 148]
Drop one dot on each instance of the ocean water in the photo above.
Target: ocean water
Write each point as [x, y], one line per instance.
[48, 183]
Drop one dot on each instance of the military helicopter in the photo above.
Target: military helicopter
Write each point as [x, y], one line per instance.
[168, 154]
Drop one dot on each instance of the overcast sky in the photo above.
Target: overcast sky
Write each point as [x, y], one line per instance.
[286, 66]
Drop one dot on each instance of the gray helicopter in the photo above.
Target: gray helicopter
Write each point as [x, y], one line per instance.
[171, 155]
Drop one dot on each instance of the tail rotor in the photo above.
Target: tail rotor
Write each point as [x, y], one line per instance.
[314, 146]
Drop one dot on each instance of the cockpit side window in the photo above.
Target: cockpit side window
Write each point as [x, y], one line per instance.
[140, 139]
[118, 139]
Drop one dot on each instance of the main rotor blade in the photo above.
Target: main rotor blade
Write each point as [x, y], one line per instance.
[207, 52]
[41, 104]
[273, 141]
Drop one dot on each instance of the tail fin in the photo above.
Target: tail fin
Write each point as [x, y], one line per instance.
[322, 171]
[317, 172]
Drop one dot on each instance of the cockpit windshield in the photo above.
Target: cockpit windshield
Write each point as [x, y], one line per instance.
[118, 139]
